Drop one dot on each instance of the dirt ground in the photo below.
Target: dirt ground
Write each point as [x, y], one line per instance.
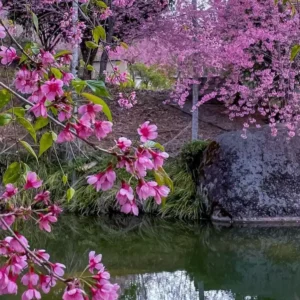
[174, 124]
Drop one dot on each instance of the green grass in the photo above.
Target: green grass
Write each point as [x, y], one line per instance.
[185, 202]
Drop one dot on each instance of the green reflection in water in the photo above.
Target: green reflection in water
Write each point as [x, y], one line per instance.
[163, 260]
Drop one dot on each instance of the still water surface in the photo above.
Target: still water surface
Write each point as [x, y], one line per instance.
[164, 260]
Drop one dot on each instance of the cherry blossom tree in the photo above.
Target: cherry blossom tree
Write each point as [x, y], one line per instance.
[44, 83]
[120, 21]
[247, 44]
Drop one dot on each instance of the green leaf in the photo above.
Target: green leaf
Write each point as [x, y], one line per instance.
[78, 85]
[162, 178]
[168, 180]
[159, 178]
[35, 21]
[100, 101]
[46, 142]
[5, 119]
[70, 193]
[29, 149]
[54, 136]
[5, 97]
[65, 179]
[35, 48]
[17, 111]
[124, 45]
[82, 63]
[91, 45]
[98, 87]
[101, 4]
[40, 123]
[295, 51]
[90, 68]
[84, 8]
[26, 168]
[151, 144]
[99, 33]
[62, 53]
[27, 125]
[12, 173]
[57, 73]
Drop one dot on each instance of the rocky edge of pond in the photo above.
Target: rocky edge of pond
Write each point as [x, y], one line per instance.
[253, 180]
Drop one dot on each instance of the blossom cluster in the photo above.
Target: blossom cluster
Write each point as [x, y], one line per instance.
[127, 102]
[137, 161]
[116, 77]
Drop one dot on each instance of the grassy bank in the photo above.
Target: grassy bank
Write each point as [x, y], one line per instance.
[183, 203]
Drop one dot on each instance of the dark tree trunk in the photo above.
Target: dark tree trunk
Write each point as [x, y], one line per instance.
[88, 56]
[104, 56]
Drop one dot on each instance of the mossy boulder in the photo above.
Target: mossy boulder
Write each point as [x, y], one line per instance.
[255, 179]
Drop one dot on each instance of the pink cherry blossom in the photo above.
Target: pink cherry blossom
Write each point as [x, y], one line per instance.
[125, 194]
[158, 158]
[8, 55]
[30, 279]
[143, 162]
[65, 59]
[43, 197]
[103, 181]
[10, 191]
[125, 162]
[10, 286]
[31, 294]
[161, 192]
[123, 144]
[58, 269]
[17, 263]
[52, 89]
[67, 78]
[55, 210]
[45, 221]
[147, 132]
[73, 294]
[65, 112]
[102, 275]
[9, 220]
[42, 254]
[89, 111]
[27, 82]
[102, 129]
[47, 282]
[32, 181]
[94, 261]
[47, 58]
[39, 109]
[105, 291]
[37, 96]
[15, 245]
[2, 32]
[106, 14]
[3, 279]
[83, 129]
[146, 189]
[130, 207]
[65, 135]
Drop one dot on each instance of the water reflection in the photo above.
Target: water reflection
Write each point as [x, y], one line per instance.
[164, 260]
[167, 286]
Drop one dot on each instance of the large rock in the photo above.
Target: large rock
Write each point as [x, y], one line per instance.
[255, 179]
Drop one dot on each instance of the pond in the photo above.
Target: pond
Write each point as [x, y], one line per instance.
[155, 259]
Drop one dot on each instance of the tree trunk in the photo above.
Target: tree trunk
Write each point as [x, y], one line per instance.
[195, 116]
[88, 56]
[109, 38]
